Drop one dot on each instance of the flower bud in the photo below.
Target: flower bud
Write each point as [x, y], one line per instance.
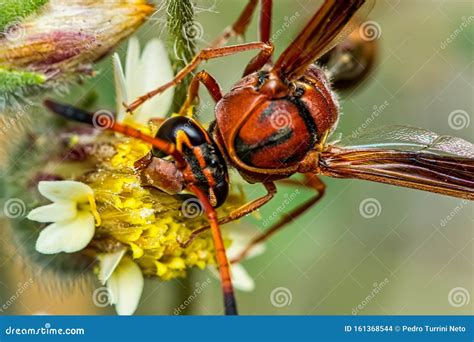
[60, 40]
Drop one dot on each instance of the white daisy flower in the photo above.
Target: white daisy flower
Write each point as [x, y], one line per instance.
[143, 73]
[72, 212]
[241, 237]
[124, 281]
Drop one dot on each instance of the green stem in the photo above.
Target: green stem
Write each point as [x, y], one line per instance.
[182, 33]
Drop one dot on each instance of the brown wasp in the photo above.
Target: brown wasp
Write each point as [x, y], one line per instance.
[275, 122]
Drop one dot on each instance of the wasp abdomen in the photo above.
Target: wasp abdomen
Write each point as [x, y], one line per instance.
[279, 133]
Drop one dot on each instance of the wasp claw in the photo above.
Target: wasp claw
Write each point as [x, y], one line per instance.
[128, 108]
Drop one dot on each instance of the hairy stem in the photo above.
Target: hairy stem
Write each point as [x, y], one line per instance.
[182, 36]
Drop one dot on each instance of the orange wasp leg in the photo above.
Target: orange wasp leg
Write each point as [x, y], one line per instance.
[222, 261]
[209, 82]
[203, 55]
[241, 25]
[266, 20]
[311, 181]
[259, 61]
[237, 213]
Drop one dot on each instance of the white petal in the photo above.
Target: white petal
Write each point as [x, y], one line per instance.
[155, 70]
[67, 236]
[241, 236]
[59, 211]
[240, 278]
[256, 250]
[125, 286]
[132, 70]
[121, 95]
[60, 191]
[108, 264]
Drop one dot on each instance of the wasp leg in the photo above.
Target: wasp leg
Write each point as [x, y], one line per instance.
[211, 85]
[203, 55]
[237, 213]
[311, 181]
[265, 29]
[222, 261]
[240, 26]
[266, 20]
[263, 57]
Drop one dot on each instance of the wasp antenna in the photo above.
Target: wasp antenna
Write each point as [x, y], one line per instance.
[69, 112]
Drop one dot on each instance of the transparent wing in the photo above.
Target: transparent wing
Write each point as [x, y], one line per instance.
[404, 138]
[404, 156]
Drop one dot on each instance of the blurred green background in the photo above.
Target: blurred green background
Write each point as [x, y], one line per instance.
[330, 260]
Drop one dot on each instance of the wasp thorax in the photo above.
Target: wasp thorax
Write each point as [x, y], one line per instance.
[282, 122]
